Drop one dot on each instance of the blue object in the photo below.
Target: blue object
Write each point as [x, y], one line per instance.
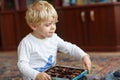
[73, 2]
[81, 75]
[47, 66]
[111, 76]
[117, 73]
[99, 0]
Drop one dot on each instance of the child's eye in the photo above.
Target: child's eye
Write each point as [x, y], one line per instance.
[48, 24]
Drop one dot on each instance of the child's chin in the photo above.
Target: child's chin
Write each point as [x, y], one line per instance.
[50, 35]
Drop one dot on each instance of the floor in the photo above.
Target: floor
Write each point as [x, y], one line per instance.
[102, 62]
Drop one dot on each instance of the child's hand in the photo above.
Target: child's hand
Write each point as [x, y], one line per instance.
[87, 63]
[43, 76]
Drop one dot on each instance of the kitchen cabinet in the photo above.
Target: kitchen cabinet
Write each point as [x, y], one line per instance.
[67, 26]
[7, 29]
[101, 32]
[92, 27]
[12, 24]
[22, 28]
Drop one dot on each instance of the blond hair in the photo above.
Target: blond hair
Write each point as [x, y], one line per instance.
[40, 11]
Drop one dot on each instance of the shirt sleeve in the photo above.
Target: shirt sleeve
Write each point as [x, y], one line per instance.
[23, 61]
[71, 49]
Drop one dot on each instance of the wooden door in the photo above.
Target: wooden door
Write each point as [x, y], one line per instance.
[101, 32]
[22, 28]
[7, 33]
[67, 26]
[82, 25]
[60, 26]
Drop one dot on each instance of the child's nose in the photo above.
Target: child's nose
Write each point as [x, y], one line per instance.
[52, 27]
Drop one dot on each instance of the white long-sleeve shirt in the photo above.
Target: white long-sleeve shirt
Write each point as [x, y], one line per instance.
[37, 55]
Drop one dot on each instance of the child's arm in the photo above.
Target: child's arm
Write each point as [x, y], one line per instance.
[87, 63]
[69, 48]
[23, 61]
[74, 50]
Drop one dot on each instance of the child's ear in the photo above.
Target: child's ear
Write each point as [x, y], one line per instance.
[32, 26]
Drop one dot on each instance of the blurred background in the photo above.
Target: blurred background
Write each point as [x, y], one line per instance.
[93, 25]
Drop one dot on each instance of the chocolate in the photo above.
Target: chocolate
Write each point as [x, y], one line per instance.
[64, 72]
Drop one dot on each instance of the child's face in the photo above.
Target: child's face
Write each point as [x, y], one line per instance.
[45, 29]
